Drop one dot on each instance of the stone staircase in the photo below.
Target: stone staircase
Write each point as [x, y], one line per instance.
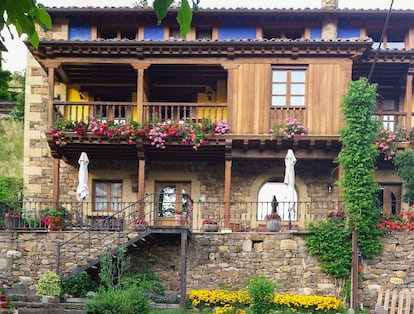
[29, 303]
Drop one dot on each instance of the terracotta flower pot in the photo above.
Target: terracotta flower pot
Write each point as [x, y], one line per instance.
[273, 225]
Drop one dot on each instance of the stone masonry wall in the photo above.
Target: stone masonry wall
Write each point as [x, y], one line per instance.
[213, 260]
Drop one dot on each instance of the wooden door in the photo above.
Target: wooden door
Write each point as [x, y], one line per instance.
[171, 197]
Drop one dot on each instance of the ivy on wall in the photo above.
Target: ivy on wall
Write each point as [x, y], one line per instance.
[330, 240]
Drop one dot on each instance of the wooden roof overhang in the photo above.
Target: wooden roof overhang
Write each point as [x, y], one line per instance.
[85, 61]
[135, 49]
[218, 148]
[391, 66]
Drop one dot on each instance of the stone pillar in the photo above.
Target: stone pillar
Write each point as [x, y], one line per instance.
[329, 24]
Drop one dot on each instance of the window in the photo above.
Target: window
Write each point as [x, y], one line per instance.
[391, 40]
[386, 108]
[204, 33]
[288, 87]
[285, 206]
[271, 32]
[107, 195]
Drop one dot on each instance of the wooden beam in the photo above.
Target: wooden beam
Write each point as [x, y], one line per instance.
[183, 266]
[51, 92]
[227, 184]
[409, 100]
[56, 185]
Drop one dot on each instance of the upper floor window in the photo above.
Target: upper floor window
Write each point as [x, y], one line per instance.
[107, 195]
[387, 109]
[271, 32]
[204, 33]
[288, 87]
[391, 40]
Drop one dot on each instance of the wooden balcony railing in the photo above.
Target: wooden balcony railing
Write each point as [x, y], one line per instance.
[278, 115]
[152, 111]
[391, 120]
[161, 111]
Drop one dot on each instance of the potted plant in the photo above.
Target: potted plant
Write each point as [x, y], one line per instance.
[49, 287]
[12, 219]
[140, 224]
[273, 222]
[210, 225]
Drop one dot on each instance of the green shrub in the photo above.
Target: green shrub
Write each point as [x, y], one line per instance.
[147, 281]
[116, 301]
[79, 285]
[49, 285]
[261, 292]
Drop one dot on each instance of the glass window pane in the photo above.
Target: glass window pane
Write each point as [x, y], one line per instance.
[168, 200]
[279, 89]
[297, 89]
[278, 101]
[100, 196]
[298, 76]
[279, 76]
[297, 101]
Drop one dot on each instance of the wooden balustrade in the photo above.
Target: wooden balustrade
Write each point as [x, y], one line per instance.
[125, 111]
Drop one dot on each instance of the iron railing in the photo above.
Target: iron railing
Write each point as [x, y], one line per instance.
[119, 216]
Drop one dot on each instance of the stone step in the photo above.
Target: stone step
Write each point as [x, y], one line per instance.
[49, 308]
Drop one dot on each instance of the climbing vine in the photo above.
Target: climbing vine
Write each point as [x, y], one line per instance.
[330, 240]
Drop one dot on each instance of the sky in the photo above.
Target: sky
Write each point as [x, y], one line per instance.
[15, 58]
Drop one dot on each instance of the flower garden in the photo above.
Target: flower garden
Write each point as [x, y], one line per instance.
[239, 302]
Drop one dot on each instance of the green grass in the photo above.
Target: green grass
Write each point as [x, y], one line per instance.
[11, 148]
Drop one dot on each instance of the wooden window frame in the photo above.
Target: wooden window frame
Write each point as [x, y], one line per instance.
[289, 84]
[108, 194]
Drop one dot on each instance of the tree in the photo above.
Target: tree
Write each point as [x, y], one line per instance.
[24, 15]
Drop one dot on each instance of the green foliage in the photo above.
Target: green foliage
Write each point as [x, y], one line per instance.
[113, 268]
[146, 280]
[117, 301]
[79, 285]
[404, 165]
[5, 77]
[18, 111]
[11, 148]
[184, 15]
[49, 285]
[11, 189]
[24, 15]
[11, 193]
[358, 159]
[331, 242]
[261, 292]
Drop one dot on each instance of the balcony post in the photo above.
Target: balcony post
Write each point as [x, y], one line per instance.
[140, 67]
[227, 183]
[231, 89]
[409, 99]
[51, 91]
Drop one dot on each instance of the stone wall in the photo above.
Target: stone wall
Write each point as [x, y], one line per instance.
[213, 260]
